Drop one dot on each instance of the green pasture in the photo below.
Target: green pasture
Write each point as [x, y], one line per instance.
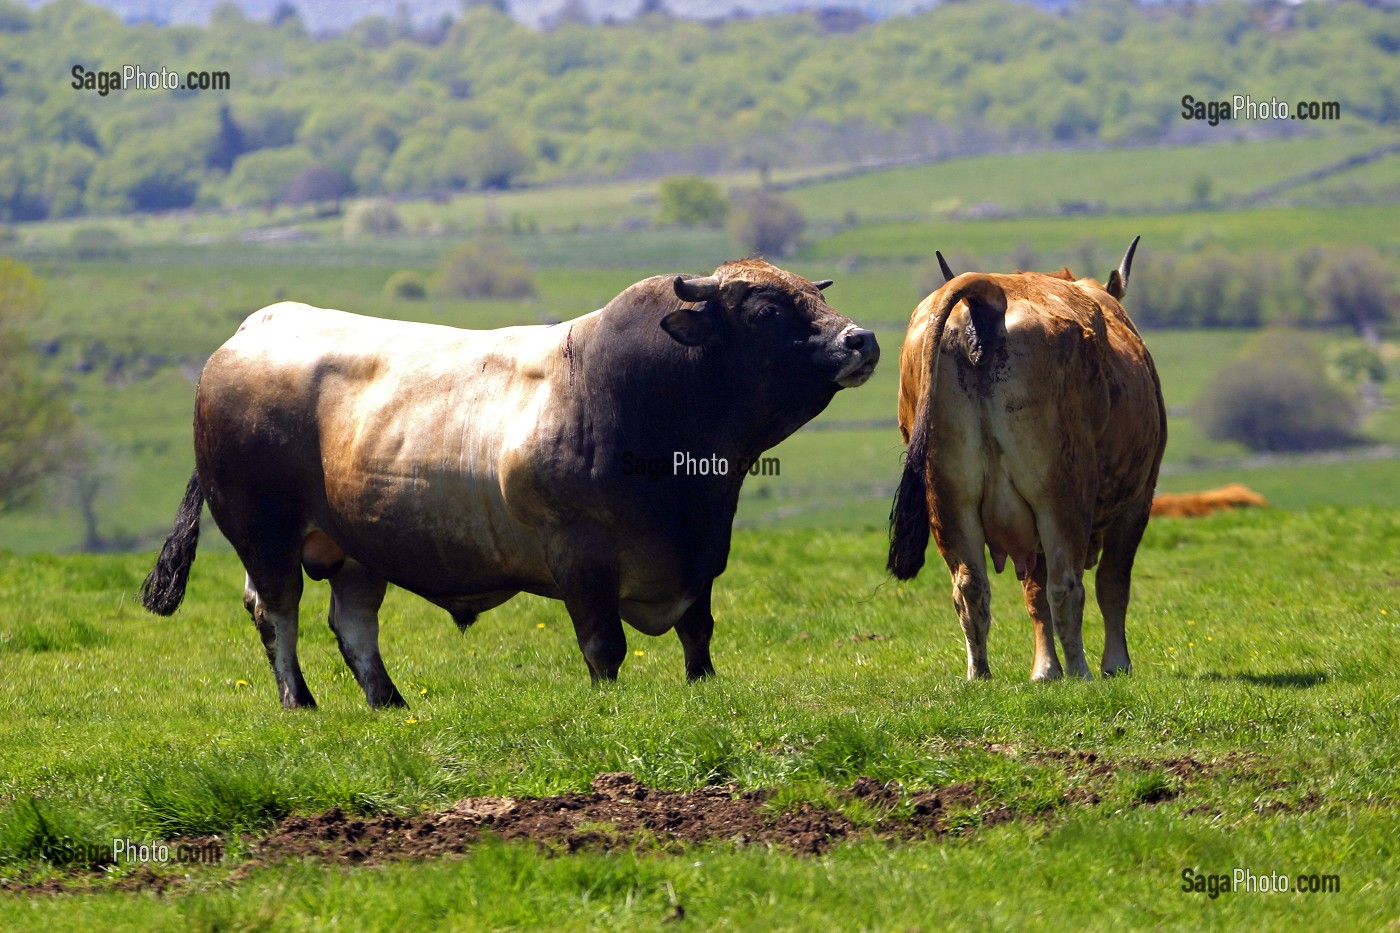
[1259, 228]
[1161, 177]
[1264, 644]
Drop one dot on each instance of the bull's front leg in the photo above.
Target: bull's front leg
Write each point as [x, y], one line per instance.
[356, 595]
[587, 576]
[695, 629]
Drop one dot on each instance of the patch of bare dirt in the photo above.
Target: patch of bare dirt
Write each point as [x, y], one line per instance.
[622, 813]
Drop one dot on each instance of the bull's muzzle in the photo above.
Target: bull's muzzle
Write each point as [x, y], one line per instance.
[864, 352]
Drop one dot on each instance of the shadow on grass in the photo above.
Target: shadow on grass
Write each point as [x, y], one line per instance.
[1298, 679]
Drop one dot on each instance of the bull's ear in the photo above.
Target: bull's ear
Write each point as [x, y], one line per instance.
[824, 284]
[1118, 278]
[692, 327]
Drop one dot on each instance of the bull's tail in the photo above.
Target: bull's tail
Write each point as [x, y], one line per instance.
[164, 588]
[909, 516]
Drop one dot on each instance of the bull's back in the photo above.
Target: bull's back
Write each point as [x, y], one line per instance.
[388, 436]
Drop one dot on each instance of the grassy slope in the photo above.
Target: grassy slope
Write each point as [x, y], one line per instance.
[1157, 177]
[1235, 637]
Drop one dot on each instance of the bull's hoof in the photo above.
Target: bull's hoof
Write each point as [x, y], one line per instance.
[393, 701]
[1123, 671]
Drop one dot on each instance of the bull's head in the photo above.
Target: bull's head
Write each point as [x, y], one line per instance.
[782, 317]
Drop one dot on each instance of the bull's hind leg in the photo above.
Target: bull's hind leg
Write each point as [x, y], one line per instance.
[272, 600]
[356, 595]
[1111, 585]
[1046, 665]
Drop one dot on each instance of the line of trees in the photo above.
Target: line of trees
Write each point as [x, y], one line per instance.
[485, 102]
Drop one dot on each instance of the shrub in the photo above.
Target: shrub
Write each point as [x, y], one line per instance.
[374, 217]
[1276, 397]
[485, 269]
[768, 224]
[406, 285]
[96, 243]
[691, 201]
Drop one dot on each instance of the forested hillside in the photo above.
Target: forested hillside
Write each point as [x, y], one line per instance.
[485, 102]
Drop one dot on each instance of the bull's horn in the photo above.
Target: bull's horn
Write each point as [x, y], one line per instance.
[696, 289]
[943, 265]
[824, 284]
[1118, 278]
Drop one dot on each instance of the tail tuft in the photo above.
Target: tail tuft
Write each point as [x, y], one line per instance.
[164, 587]
[909, 528]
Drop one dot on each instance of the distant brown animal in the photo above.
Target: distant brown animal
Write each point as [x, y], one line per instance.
[1198, 504]
[1035, 425]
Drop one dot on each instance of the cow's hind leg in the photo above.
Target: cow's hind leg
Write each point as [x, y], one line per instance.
[1111, 585]
[1065, 538]
[356, 595]
[272, 600]
[964, 550]
[695, 629]
[1046, 665]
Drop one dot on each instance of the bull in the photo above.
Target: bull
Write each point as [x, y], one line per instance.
[468, 466]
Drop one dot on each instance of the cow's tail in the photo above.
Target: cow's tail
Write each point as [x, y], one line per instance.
[909, 517]
[164, 588]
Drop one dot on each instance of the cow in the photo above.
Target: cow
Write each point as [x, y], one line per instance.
[1198, 504]
[468, 466]
[1035, 428]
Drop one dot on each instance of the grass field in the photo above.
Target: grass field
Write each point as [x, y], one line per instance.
[1264, 646]
[1260, 730]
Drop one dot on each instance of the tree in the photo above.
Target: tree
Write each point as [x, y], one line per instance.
[767, 224]
[35, 425]
[498, 161]
[317, 183]
[691, 201]
[485, 269]
[263, 177]
[373, 217]
[1276, 397]
[1354, 286]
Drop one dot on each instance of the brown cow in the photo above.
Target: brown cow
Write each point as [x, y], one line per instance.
[1198, 504]
[1036, 431]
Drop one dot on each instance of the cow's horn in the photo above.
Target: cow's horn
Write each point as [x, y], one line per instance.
[943, 265]
[1118, 278]
[696, 289]
[824, 284]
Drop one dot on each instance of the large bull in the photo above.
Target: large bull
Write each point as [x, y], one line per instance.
[467, 466]
[1035, 426]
